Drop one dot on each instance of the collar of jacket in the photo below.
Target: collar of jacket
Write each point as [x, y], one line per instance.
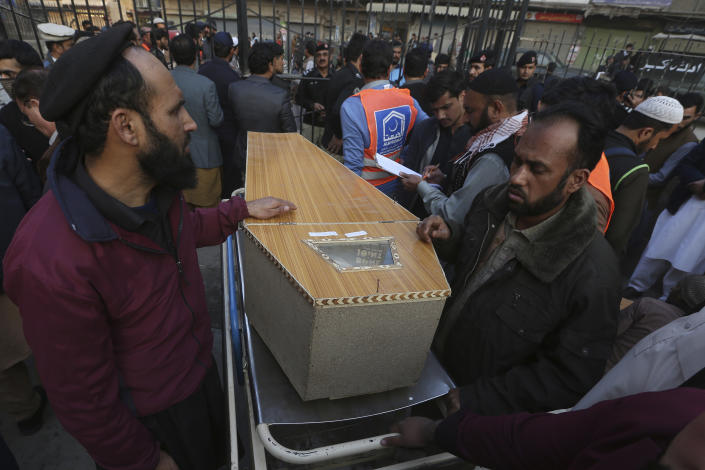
[562, 242]
[184, 68]
[260, 78]
[384, 83]
[354, 70]
[80, 213]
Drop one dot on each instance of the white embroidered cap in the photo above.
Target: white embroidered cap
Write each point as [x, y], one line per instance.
[662, 108]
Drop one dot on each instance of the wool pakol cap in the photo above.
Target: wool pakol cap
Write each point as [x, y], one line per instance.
[528, 57]
[483, 57]
[494, 82]
[52, 32]
[77, 71]
[662, 108]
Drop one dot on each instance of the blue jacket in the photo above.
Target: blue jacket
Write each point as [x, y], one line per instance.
[19, 190]
[220, 73]
[356, 135]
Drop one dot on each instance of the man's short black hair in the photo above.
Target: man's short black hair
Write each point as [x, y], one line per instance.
[85, 23]
[597, 94]
[636, 120]
[646, 85]
[221, 50]
[688, 100]
[442, 59]
[354, 48]
[158, 34]
[396, 43]
[449, 81]
[591, 131]
[192, 30]
[183, 50]
[416, 62]
[261, 55]
[121, 87]
[664, 90]
[311, 47]
[29, 84]
[21, 51]
[377, 57]
[277, 50]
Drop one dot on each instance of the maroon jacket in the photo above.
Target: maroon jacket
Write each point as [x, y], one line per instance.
[102, 306]
[626, 433]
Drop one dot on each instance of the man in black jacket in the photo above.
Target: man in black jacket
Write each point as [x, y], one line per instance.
[312, 93]
[259, 105]
[438, 140]
[534, 309]
[342, 85]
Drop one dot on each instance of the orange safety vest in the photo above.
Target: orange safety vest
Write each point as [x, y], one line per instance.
[600, 180]
[390, 116]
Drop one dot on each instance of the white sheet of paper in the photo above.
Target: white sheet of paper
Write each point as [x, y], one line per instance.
[355, 234]
[390, 166]
[322, 234]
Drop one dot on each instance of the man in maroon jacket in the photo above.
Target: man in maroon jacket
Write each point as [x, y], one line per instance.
[104, 267]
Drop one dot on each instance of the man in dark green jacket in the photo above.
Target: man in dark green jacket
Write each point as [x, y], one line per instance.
[534, 309]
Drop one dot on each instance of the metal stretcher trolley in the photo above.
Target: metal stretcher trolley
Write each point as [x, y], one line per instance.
[330, 310]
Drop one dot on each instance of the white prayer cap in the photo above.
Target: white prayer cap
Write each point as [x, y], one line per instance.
[157, 20]
[662, 108]
[55, 32]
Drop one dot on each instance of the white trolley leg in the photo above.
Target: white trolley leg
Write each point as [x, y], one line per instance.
[320, 454]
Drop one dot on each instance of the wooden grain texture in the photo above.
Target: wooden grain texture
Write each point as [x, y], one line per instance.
[420, 277]
[290, 167]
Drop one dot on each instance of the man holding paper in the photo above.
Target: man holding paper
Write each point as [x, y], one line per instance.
[490, 108]
[378, 119]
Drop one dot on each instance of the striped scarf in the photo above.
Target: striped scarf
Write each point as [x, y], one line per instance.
[486, 139]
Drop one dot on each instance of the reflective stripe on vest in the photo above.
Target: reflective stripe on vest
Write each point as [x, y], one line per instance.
[600, 180]
[390, 116]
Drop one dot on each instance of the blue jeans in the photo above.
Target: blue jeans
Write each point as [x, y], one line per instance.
[391, 189]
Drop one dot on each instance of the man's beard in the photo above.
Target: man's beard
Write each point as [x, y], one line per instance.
[164, 163]
[543, 205]
[484, 120]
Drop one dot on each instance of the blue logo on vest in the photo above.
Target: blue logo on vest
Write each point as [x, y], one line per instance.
[392, 124]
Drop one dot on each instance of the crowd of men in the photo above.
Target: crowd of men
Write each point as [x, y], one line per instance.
[548, 201]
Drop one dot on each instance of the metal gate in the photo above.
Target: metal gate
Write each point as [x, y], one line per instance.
[454, 27]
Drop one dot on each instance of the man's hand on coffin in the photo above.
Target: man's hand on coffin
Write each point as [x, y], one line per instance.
[166, 462]
[452, 401]
[415, 431]
[433, 227]
[410, 182]
[269, 207]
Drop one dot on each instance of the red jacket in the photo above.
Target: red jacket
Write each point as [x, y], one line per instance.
[625, 433]
[101, 305]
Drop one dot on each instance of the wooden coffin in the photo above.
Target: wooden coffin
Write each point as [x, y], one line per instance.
[341, 290]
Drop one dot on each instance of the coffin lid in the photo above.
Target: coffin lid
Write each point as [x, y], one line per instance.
[331, 198]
